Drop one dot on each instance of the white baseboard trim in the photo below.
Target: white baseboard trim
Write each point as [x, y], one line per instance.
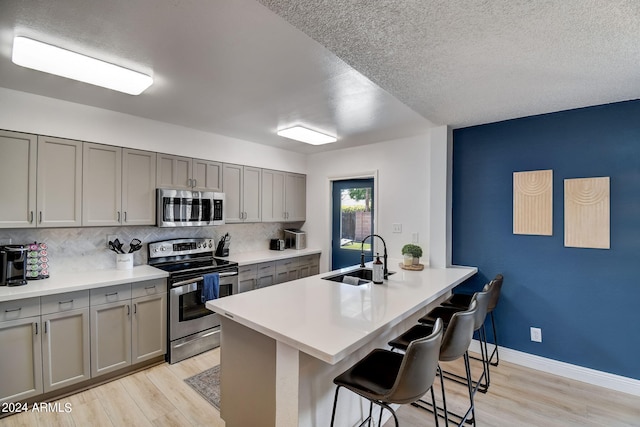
[574, 372]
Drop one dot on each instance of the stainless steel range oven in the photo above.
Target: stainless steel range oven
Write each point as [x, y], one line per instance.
[192, 327]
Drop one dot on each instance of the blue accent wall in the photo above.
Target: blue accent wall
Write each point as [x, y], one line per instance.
[587, 301]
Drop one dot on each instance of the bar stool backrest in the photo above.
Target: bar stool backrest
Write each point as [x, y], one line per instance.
[496, 286]
[459, 333]
[482, 299]
[418, 368]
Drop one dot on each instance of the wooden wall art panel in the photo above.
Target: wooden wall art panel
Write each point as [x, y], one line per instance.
[533, 202]
[587, 213]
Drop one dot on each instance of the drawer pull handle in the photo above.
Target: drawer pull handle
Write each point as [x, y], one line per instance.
[150, 287]
[65, 302]
[13, 309]
[111, 294]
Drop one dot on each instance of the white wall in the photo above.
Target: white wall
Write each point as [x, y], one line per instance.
[25, 112]
[403, 182]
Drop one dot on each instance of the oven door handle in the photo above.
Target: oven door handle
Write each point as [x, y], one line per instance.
[199, 278]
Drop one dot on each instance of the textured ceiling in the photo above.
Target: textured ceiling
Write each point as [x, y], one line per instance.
[467, 62]
[367, 71]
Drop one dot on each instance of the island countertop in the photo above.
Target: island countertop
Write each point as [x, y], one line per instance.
[330, 320]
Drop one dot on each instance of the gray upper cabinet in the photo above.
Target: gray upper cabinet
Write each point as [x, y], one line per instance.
[187, 173]
[18, 155]
[118, 186]
[40, 181]
[59, 182]
[173, 171]
[102, 185]
[242, 186]
[273, 196]
[295, 197]
[138, 187]
[207, 175]
[283, 196]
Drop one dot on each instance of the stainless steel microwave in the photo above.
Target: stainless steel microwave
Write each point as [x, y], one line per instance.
[186, 208]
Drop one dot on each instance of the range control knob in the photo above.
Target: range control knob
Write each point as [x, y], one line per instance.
[162, 248]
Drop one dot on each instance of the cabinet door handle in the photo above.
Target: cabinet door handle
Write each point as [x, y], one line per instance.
[125, 216]
[135, 308]
[31, 217]
[128, 310]
[40, 217]
[189, 182]
[195, 182]
[118, 216]
[45, 326]
[36, 323]
[65, 302]
[13, 309]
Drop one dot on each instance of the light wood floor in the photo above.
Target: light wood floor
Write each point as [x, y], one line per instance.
[518, 396]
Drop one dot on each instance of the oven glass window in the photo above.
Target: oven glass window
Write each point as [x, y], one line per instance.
[192, 307]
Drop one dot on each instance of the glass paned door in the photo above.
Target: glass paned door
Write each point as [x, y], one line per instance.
[352, 221]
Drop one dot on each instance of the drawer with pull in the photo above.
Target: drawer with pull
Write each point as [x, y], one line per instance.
[64, 302]
[19, 309]
[148, 287]
[110, 294]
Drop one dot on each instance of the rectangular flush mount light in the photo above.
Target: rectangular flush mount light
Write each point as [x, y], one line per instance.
[54, 60]
[309, 136]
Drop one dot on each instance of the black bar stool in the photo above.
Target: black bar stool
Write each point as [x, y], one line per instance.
[384, 377]
[455, 344]
[462, 301]
[446, 313]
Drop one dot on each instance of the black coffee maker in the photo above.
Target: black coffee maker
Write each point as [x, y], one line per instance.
[13, 265]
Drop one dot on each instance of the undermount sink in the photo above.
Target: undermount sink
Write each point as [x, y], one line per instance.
[359, 277]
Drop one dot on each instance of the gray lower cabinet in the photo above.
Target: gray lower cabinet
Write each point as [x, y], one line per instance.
[110, 337]
[255, 276]
[20, 359]
[149, 323]
[286, 270]
[247, 275]
[308, 265]
[65, 339]
[128, 325]
[265, 274]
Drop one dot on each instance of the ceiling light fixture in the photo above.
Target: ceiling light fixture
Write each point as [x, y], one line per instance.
[54, 60]
[309, 136]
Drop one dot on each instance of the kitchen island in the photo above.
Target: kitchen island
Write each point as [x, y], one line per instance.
[282, 346]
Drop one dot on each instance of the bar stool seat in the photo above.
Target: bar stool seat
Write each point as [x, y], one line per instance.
[385, 377]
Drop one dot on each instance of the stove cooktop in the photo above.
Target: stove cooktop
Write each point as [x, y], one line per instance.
[194, 264]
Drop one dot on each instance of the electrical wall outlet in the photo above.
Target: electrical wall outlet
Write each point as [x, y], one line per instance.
[110, 238]
[536, 334]
[414, 238]
[397, 228]
[5, 240]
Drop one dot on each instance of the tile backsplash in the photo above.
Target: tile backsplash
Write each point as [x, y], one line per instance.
[84, 249]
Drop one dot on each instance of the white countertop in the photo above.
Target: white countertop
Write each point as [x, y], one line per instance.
[267, 255]
[76, 281]
[330, 320]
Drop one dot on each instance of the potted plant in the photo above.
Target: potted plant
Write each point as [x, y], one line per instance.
[412, 254]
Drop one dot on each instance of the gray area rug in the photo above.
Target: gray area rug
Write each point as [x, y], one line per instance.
[207, 383]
